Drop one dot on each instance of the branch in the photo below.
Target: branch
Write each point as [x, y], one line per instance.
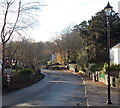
[28, 6]
[14, 23]
[4, 24]
[11, 2]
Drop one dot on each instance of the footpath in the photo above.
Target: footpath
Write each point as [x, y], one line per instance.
[97, 93]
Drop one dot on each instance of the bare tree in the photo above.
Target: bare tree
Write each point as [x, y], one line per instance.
[16, 17]
[26, 52]
[69, 45]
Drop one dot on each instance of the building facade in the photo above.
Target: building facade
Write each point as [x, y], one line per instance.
[115, 54]
[0, 56]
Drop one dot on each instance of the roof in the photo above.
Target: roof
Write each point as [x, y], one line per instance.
[117, 46]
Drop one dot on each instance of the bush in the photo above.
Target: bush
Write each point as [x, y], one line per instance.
[96, 67]
[26, 71]
[4, 82]
[19, 79]
[114, 68]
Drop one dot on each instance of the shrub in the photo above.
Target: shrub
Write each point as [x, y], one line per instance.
[23, 79]
[91, 66]
[96, 67]
[4, 82]
[19, 79]
[26, 71]
[114, 68]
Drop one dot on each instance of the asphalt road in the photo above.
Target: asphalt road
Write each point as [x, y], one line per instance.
[58, 88]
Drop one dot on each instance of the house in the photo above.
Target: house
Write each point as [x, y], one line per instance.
[115, 51]
[0, 59]
[115, 54]
[53, 57]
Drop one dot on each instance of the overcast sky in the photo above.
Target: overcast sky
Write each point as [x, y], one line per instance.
[59, 14]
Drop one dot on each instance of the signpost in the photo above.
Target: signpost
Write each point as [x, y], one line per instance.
[8, 80]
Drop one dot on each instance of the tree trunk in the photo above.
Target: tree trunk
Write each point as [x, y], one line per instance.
[3, 58]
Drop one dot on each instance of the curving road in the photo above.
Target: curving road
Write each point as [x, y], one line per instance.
[58, 88]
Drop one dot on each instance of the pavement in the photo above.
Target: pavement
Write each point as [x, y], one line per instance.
[97, 92]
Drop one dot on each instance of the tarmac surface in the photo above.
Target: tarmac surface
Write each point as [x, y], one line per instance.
[58, 88]
[96, 93]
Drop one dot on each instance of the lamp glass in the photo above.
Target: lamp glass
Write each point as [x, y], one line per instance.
[108, 11]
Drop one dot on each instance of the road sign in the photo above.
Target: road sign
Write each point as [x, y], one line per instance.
[8, 77]
[8, 80]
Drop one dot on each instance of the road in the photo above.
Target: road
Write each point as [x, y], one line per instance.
[58, 88]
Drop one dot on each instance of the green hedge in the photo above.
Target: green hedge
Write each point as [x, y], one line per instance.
[96, 67]
[113, 67]
[4, 82]
[21, 79]
[26, 71]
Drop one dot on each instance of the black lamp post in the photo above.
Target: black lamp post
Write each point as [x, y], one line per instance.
[108, 10]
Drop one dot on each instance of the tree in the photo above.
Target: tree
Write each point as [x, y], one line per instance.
[48, 49]
[88, 46]
[97, 28]
[94, 37]
[87, 42]
[26, 52]
[12, 24]
[69, 45]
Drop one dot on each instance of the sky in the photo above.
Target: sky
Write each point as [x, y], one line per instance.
[57, 15]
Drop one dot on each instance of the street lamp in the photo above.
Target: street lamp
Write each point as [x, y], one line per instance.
[108, 11]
